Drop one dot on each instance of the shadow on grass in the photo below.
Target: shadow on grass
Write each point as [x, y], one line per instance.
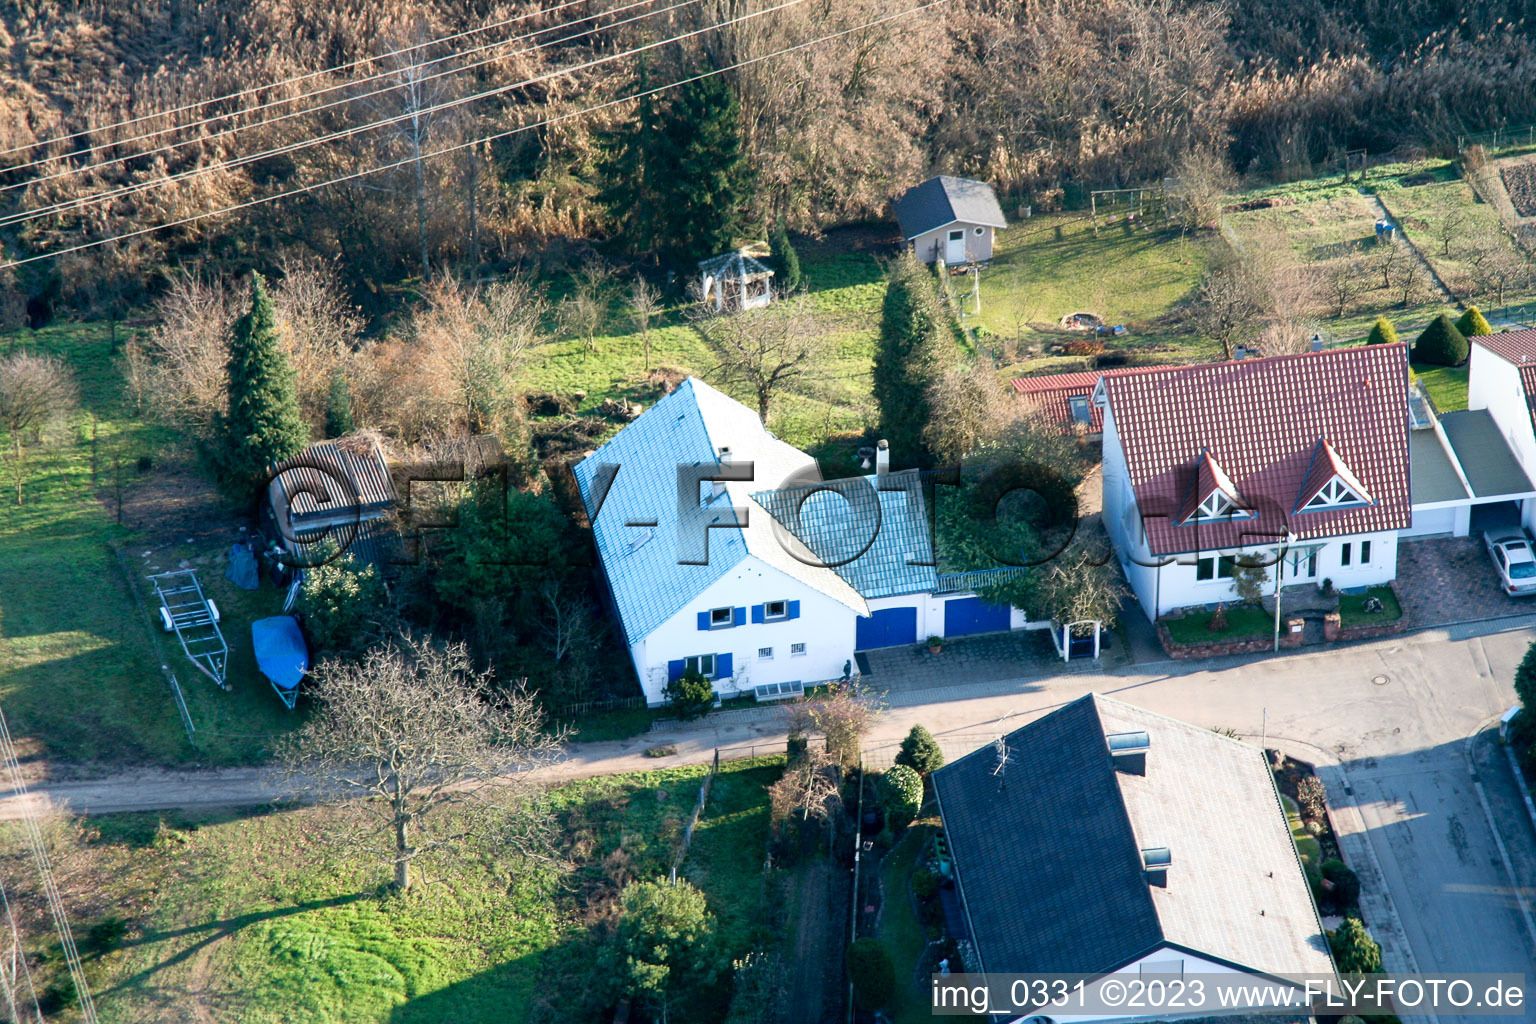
[215, 930]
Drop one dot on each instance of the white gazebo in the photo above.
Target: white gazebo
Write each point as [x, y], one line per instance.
[734, 280]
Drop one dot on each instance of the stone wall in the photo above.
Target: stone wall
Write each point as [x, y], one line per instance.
[1289, 637]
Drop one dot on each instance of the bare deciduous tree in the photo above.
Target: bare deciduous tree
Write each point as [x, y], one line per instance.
[1412, 281]
[843, 716]
[968, 405]
[767, 351]
[644, 306]
[1453, 219]
[810, 785]
[37, 395]
[1231, 304]
[412, 730]
[319, 327]
[1389, 260]
[177, 373]
[1501, 270]
[1346, 281]
[469, 342]
[585, 310]
[1202, 180]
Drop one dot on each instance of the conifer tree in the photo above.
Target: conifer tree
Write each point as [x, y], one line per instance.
[786, 262]
[263, 425]
[1441, 344]
[338, 407]
[1473, 324]
[907, 357]
[1382, 333]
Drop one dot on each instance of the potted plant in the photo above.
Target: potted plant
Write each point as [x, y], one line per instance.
[935, 644]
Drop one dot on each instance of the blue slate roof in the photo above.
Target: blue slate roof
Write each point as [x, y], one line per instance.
[648, 584]
[837, 530]
[690, 425]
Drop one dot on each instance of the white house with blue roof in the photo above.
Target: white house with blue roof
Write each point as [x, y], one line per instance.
[765, 583]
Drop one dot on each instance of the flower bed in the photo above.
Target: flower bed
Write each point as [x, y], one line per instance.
[1334, 885]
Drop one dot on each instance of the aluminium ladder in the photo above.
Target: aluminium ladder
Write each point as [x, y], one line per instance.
[189, 613]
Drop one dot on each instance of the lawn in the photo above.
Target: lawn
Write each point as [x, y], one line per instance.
[1243, 622]
[249, 916]
[1446, 386]
[1307, 845]
[1352, 614]
[79, 675]
[1053, 264]
[899, 930]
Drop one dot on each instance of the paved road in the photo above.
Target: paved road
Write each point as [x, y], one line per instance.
[1389, 719]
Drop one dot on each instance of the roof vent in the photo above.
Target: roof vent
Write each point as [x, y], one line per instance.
[1128, 750]
[1155, 861]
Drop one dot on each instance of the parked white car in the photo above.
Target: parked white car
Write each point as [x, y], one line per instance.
[1513, 556]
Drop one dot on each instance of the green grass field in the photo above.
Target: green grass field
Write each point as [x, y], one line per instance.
[79, 675]
[1243, 621]
[900, 930]
[1133, 277]
[249, 916]
[1445, 385]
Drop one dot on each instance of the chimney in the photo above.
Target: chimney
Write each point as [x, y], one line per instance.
[719, 485]
[1155, 862]
[1241, 352]
[1128, 751]
[882, 457]
[1317, 343]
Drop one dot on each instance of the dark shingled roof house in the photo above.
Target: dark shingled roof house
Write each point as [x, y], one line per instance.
[1112, 839]
[950, 219]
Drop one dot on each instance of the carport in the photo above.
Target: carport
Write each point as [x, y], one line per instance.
[1501, 493]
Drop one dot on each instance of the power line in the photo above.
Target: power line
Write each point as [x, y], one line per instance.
[285, 81]
[473, 142]
[82, 202]
[21, 955]
[45, 871]
[235, 129]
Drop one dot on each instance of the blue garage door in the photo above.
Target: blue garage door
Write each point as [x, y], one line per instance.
[890, 627]
[966, 615]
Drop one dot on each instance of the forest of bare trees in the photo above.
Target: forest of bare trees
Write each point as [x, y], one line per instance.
[1038, 97]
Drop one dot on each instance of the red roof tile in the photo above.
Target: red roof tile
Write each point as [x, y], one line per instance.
[1261, 421]
[1051, 394]
[1326, 465]
[1518, 347]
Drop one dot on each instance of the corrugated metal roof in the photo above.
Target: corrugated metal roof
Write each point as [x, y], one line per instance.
[946, 200]
[1048, 851]
[838, 530]
[316, 483]
[689, 426]
[1261, 419]
[1490, 467]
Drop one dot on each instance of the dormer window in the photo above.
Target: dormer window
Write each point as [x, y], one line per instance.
[1335, 494]
[1212, 496]
[1217, 506]
[1329, 484]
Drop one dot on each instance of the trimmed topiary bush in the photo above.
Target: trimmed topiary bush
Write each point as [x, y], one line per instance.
[784, 259]
[689, 695]
[920, 751]
[1441, 344]
[1472, 323]
[872, 974]
[901, 791]
[1382, 333]
[1346, 885]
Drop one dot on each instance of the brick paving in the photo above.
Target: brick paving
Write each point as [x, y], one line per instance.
[996, 657]
[1441, 580]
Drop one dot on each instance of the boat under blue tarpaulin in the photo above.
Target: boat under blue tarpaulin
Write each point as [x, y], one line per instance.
[281, 654]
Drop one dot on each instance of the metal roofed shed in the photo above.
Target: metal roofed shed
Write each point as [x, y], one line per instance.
[735, 280]
[949, 218]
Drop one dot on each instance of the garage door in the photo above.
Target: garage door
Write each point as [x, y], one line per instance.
[1495, 515]
[889, 627]
[966, 615]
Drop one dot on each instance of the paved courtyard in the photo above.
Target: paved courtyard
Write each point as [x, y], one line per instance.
[982, 659]
[1450, 579]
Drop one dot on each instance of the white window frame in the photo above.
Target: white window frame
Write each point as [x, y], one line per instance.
[956, 235]
[698, 661]
[1081, 408]
[797, 650]
[1365, 553]
[1346, 555]
[765, 654]
[730, 618]
[1334, 494]
[769, 616]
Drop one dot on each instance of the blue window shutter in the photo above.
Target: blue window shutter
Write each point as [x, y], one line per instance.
[794, 609]
[723, 666]
[739, 617]
[757, 613]
[703, 620]
[674, 670]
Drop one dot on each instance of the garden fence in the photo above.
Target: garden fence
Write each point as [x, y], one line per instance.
[693, 819]
[596, 707]
[1499, 139]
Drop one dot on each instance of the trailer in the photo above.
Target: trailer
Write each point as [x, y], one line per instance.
[189, 613]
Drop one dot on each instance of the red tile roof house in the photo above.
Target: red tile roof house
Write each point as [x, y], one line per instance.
[1302, 454]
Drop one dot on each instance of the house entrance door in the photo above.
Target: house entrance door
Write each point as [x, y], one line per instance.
[954, 252]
